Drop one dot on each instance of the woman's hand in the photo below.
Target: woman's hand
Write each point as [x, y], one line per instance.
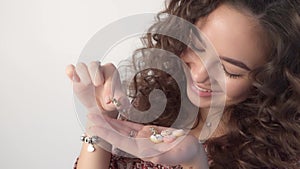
[95, 84]
[133, 138]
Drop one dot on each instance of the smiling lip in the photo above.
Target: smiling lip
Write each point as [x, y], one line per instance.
[202, 92]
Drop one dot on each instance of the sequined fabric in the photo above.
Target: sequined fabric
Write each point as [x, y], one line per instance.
[119, 162]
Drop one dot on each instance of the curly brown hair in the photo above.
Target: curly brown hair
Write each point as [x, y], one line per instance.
[264, 130]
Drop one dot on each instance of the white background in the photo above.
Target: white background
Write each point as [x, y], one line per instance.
[38, 38]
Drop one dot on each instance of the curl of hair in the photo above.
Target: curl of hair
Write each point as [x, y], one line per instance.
[264, 130]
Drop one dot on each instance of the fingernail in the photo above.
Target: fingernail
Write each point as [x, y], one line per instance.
[169, 138]
[107, 100]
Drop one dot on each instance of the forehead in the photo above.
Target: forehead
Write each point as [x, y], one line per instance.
[234, 34]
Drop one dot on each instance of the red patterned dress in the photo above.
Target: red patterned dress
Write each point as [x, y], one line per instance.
[120, 162]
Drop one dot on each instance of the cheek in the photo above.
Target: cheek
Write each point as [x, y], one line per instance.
[237, 90]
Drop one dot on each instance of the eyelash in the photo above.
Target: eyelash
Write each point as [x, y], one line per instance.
[230, 75]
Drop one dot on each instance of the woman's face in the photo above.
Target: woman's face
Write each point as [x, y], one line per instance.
[237, 39]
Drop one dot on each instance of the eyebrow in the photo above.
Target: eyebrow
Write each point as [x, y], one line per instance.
[235, 62]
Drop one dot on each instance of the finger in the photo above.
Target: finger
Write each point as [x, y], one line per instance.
[71, 73]
[96, 73]
[113, 77]
[109, 73]
[83, 73]
[107, 91]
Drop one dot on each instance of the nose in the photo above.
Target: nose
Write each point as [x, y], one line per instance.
[199, 74]
[198, 64]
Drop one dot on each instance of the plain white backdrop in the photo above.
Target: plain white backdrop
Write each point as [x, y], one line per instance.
[38, 38]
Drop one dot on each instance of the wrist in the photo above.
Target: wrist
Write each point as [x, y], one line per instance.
[95, 142]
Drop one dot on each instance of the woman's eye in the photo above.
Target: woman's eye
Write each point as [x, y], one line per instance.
[231, 75]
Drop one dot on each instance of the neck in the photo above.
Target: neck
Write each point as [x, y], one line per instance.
[211, 124]
[203, 114]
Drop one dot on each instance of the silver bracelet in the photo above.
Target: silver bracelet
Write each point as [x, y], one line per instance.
[91, 141]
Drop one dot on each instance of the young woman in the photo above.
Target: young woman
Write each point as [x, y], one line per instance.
[258, 43]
